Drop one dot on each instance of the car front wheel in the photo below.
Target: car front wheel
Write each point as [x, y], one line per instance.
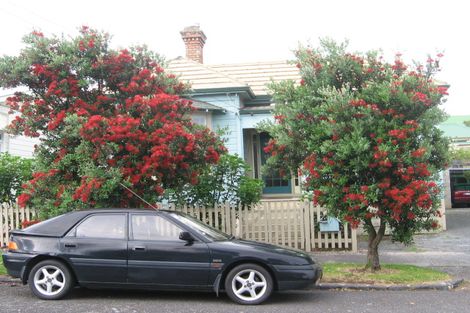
[50, 280]
[249, 284]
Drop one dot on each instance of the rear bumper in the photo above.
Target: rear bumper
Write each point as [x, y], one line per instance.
[15, 263]
[461, 200]
[298, 276]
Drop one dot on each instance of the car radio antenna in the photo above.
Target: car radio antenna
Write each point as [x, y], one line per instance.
[141, 199]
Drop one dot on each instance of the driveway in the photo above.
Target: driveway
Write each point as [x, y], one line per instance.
[448, 250]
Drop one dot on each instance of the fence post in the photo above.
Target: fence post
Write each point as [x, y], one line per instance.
[233, 219]
[267, 220]
[306, 227]
[354, 239]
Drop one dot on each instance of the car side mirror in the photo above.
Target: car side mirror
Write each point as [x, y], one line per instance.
[186, 236]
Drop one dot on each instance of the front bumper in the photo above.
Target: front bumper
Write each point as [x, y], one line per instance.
[291, 277]
[15, 263]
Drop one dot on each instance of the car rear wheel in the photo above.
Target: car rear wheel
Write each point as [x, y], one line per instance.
[50, 280]
[249, 284]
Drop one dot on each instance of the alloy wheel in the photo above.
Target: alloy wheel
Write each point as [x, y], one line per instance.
[49, 280]
[249, 285]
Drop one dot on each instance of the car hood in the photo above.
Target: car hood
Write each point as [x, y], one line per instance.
[268, 249]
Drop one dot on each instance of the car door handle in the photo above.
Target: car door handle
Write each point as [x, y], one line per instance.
[138, 248]
[70, 245]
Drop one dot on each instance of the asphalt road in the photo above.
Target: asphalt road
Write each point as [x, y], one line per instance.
[17, 298]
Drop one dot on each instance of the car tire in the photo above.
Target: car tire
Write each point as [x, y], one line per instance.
[249, 284]
[50, 280]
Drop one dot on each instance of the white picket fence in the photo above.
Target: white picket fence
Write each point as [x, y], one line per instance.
[11, 217]
[289, 223]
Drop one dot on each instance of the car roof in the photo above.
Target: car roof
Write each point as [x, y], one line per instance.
[58, 226]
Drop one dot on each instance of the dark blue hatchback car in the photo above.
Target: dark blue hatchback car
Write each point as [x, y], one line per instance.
[148, 249]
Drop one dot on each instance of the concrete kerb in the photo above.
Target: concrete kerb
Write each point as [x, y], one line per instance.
[8, 279]
[447, 285]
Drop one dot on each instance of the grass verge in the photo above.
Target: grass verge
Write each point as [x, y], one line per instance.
[391, 274]
[3, 270]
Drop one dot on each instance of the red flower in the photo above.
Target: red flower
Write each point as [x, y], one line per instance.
[418, 153]
[442, 90]
[398, 133]
[421, 97]
[316, 196]
[384, 184]
[211, 155]
[23, 199]
[37, 33]
[280, 118]
[27, 223]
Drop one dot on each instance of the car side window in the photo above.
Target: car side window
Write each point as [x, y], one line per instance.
[109, 226]
[153, 227]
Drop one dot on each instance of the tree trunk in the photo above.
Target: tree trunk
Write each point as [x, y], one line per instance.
[373, 262]
[375, 237]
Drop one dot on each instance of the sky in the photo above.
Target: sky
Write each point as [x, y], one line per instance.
[259, 30]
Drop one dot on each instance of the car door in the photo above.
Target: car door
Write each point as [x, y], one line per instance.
[157, 256]
[97, 248]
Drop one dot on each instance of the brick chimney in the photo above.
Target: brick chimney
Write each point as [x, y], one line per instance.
[194, 40]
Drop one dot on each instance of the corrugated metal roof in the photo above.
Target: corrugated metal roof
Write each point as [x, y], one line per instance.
[455, 128]
[255, 75]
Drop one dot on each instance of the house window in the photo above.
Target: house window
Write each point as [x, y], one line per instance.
[200, 119]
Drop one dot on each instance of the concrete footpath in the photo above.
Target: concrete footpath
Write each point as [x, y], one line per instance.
[448, 251]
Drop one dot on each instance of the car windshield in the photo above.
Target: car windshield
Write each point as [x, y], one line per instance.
[200, 227]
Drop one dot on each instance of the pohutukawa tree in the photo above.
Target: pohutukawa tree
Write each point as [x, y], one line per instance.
[104, 117]
[363, 133]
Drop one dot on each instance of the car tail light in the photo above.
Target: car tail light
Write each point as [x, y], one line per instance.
[12, 246]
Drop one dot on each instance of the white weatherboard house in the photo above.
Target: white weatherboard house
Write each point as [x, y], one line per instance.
[15, 145]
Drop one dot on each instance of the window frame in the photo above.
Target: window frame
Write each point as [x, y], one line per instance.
[73, 232]
[131, 230]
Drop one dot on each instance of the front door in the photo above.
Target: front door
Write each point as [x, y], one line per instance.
[273, 183]
[157, 256]
[97, 248]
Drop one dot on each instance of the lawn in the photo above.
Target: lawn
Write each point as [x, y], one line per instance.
[3, 270]
[390, 274]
